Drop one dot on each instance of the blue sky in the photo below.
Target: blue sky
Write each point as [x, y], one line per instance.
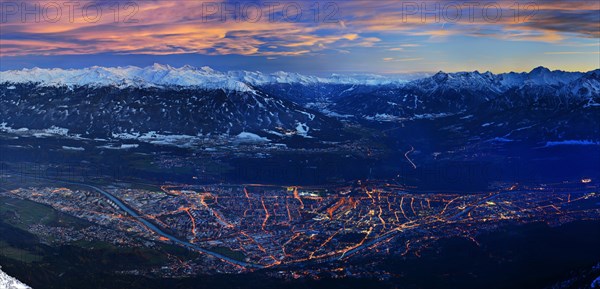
[327, 37]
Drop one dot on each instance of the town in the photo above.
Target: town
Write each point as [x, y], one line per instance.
[247, 227]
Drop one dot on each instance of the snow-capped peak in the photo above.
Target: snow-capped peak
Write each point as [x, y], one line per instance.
[540, 70]
[151, 76]
[281, 77]
[159, 75]
[186, 76]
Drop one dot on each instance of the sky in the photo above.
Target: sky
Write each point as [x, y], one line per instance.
[315, 37]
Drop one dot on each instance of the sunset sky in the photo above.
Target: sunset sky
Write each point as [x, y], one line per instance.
[327, 37]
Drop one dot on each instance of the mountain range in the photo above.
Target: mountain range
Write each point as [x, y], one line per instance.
[205, 77]
[160, 100]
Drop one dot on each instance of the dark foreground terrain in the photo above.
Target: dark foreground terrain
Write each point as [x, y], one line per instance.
[528, 256]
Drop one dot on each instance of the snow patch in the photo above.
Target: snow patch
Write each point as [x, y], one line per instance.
[47, 132]
[68, 148]
[431, 115]
[501, 139]
[121, 147]
[247, 137]
[571, 142]
[382, 117]
[330, 113]
[152, 137]
[302, 129]
[7, 282]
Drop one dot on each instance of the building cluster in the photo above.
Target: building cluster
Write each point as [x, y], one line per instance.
[288, 227]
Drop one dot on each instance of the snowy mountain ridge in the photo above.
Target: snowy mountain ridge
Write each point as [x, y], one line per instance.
[205, 77]
[540, 76]
[129, 76]
[159, 75]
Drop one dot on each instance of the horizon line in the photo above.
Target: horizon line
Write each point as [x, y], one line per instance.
[432, 72]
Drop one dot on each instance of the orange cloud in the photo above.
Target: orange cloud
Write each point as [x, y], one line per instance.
[173, 27]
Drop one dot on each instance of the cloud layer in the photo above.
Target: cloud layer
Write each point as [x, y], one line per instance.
[263, 29]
